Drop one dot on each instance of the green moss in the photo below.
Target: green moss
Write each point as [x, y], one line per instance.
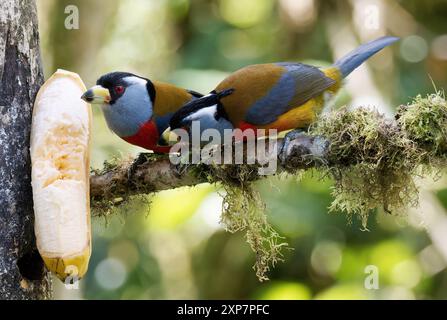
[370, 160]
[128, 200]
[424, 121]
[121, 206]
[373, 160]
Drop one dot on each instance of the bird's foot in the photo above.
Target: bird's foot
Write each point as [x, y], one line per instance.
[300, 149]
[142, 158]
[287, 145]
[183, 163]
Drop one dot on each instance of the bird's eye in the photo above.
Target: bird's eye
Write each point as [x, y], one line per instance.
[119, 89]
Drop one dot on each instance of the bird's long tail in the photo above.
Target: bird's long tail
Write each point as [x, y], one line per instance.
[355, 58]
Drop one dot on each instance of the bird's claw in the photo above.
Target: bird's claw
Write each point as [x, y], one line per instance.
[183, 164]
[142, 158]
[287, 145]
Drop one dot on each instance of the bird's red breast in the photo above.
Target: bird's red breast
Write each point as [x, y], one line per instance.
[147, 138]
[168, 99]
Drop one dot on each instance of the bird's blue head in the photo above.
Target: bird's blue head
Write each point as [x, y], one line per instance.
[126, 101]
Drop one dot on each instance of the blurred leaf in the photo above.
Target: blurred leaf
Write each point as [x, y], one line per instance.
[442, 196]
[353, 264]
[281, 290]
[343, 292]
[171, 208]
[245, 13]
[387, 255]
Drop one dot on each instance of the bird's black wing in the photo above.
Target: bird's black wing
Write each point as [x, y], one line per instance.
[177, 120]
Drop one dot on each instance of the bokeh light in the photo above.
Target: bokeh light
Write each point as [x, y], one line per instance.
[245, 13]
[414, 49]
[301, 13]
[326, 258]
[110, 274]
[407, 273]
[439, 47]
[284, 290]
[343, 292]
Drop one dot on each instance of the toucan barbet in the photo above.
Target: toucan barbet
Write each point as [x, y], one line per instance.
[281, 96]
[137, 109]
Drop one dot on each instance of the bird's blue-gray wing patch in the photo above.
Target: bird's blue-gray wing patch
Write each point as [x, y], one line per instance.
[298, 84]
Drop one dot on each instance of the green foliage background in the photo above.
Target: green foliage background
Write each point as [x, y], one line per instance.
[178, 249]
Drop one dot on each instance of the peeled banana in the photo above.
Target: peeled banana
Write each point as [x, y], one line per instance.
[60, 151]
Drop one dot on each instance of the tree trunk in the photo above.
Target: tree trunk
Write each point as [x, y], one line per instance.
[22, 272]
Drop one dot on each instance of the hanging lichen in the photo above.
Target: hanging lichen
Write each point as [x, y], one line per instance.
[243, 209]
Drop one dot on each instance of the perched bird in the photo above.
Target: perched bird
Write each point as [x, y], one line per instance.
[281, 96]
[137, 109]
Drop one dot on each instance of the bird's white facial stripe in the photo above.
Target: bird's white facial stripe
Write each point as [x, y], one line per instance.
[134, 80]
[203, 113]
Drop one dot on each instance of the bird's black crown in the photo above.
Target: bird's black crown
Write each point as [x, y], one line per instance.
[112, 79]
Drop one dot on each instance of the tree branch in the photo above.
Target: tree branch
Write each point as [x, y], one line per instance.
[149, 176]
[157, 173]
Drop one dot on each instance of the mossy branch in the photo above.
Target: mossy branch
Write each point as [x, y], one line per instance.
[115, 181]
[121, 179]
[373, 161]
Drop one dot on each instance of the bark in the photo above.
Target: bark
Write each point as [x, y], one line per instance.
[22, 272]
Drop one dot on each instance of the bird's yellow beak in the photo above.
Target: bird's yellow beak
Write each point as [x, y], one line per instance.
[97, 95]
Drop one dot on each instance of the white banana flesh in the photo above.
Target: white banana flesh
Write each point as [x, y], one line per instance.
[60, 151]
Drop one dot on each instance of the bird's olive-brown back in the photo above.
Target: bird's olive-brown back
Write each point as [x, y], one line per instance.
[250, 84]
[169, 98]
